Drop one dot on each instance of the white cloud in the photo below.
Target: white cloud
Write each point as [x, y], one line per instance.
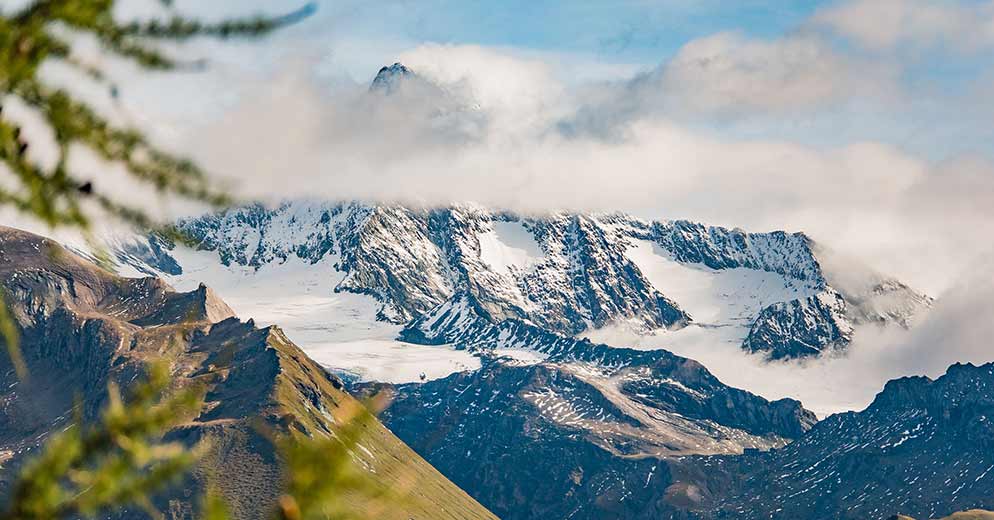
[501, 127]
[733, 73]
[517, 93]
[730, 78]
[887, 24]
[458, 141]
[955, 331]
[488, 126]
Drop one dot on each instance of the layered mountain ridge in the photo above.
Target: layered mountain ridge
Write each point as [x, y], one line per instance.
[81, 328]
[923, 447]
[551, 422]
[583, 439]
[554, 424]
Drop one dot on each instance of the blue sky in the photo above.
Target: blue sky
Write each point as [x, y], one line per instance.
[632, 31]
[931, 96]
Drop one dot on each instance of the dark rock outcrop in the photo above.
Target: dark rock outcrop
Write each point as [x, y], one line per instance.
[923, 447]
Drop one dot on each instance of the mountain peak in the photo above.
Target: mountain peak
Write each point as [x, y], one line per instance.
[389, 77]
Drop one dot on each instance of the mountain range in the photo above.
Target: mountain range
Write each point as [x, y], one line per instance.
[566, 273]
[497, 335]
[82, 328]
[552, 423]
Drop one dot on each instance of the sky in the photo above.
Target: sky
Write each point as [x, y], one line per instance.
[864, 123]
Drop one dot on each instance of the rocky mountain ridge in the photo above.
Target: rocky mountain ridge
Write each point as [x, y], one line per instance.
[923, 447]
[566, 273]
[82, 328]
[589, 423]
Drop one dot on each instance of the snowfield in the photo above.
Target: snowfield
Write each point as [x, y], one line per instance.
[338, 330]
[509, 247]
[726, 297]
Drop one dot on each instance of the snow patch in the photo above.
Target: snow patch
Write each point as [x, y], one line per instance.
[825, 385]
[715, 297]
[338, 330]
[509, 247]
[392, 361]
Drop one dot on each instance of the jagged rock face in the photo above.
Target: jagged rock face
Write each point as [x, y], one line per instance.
[664, 381]
[801, 327]
[482, 429]
[387, 252]
[587, 422]
[414, 260]
[81, 328]
[149, 257]
[388, 78]
[568, 273]
[605, 283]
[923, 447]
[719, 248]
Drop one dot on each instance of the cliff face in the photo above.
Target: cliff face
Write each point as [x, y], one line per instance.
[579, 440]
[554, 426]
[82, 328]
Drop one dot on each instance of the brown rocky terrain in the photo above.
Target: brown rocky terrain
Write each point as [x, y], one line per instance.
[82, 328]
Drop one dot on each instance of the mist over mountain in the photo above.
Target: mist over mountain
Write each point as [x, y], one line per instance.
[544, 412]
[609, 260]
[541, 412]
[568, 273]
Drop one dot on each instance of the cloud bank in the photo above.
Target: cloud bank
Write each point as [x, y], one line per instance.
[884, 25]
[955, 331]
[480, 125]
[802, 131]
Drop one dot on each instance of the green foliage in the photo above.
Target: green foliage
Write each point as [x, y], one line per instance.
[42, 31]
[118, 462]
[214, 507]
[122, 461]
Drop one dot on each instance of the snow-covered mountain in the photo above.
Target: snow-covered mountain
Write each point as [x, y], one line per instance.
[441, 270]
[496, 326]
[516, 292]
[499, 335]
